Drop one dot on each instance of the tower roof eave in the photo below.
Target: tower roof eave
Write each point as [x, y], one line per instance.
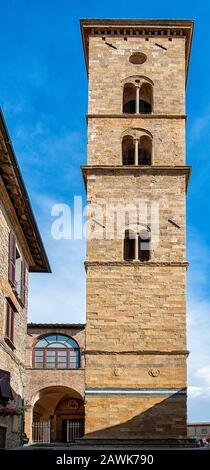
[132, 27]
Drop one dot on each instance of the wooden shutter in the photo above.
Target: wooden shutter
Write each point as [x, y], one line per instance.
[10, 322]
[23, 282]
[12, 257]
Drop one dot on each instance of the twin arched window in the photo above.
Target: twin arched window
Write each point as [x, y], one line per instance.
[137, 99]
[56, 352]
[136, 151]
[137, 245]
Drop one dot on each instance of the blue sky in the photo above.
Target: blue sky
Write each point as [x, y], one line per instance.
[43, 94]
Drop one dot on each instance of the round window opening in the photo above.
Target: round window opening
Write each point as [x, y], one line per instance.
[138, 58]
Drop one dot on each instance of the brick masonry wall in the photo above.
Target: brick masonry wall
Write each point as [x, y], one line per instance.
[37, 380]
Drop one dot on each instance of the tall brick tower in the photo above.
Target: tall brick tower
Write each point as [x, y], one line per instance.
[136, 309]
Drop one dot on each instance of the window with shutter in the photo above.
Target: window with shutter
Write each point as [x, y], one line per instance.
[23, 282]
[17, 269]
[12, 258]
[10, 322]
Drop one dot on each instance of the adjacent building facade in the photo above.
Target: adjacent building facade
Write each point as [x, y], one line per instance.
[54, 388]
[198, 430]
[21, 251]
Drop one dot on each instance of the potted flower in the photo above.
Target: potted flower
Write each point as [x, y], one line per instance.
[8, 410]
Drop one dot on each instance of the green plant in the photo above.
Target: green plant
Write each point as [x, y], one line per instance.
[8, 410]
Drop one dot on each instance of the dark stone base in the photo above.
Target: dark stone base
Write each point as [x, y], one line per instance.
[123, 443]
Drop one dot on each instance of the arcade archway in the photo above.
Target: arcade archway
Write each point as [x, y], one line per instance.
[58, 415]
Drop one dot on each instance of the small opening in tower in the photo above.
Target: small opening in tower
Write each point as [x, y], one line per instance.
[144, 246]
[138, 58]
[146, 98]
[129, 245]
[129, 98]
[145, 151]
[128, 150]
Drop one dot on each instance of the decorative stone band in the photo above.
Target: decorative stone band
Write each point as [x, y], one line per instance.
[139, 352]
[136, 116]
[136, 263]
[110, 170]
[135, 391]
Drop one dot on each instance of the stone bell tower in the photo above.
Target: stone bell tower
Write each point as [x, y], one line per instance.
[136, 274]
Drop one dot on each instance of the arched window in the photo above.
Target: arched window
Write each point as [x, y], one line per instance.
[129, 98]
[144, 245]
[145, 151]
[56, 352]
[137, 245]
[128, 150]
[129, 245]
[137, 147]
[138, 95]
[145, 99]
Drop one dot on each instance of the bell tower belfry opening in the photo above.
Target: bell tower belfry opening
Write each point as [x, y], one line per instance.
[135, 376]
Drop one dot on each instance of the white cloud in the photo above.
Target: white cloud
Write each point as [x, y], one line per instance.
[199, 126]
[198, 392]
[204, 373]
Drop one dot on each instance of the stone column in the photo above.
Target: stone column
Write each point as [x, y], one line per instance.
[137, 99]
[136, 151]
[28, 422]
[136, 248]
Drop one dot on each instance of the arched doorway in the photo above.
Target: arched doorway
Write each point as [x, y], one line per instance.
[58, 415]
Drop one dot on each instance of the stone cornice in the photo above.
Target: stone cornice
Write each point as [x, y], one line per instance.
[64, 371]
[80, 326]
[135, 116]
[95, 352]
[136, 264]
[137, 170]
[137, 28]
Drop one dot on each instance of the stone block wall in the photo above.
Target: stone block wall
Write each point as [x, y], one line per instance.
[156, 199]
[133, 417]
[108, 67]
[105, 139]
[135, 373]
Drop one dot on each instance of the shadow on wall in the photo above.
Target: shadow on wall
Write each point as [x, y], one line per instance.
[165, 419]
